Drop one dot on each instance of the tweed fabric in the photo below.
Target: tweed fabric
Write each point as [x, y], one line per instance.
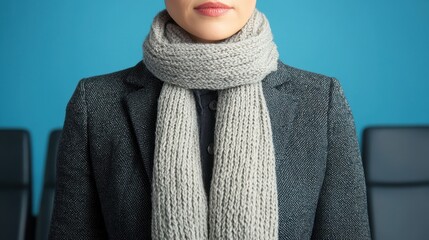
[243, 195]
[106, 152]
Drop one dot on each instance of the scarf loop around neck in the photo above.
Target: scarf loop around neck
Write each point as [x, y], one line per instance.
[242, 202]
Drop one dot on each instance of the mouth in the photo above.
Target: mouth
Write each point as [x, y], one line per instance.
[212, 9]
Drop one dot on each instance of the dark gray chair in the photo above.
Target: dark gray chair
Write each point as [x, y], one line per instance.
[47, 198]
[16, 220]
[396, 162]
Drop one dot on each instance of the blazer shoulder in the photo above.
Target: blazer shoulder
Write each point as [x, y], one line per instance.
[107, 84]
[305, 79]
[306, 85]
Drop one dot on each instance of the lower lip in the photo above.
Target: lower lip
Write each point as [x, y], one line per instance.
[212, 12]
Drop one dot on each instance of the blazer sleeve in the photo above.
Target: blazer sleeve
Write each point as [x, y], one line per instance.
[76, 210]
[342, 211]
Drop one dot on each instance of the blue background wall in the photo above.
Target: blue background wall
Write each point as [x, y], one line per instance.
[379, 51]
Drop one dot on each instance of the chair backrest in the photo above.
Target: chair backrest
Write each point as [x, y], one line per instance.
[15, 184]
[396, 162]
[47, 199]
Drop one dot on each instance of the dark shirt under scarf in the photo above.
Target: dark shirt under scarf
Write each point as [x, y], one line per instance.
[206, 101]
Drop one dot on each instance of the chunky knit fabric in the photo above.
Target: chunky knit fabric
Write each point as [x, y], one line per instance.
[243, 195]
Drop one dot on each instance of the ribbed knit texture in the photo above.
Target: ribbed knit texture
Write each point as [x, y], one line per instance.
[243, 194]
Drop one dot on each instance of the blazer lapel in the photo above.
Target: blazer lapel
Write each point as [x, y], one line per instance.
[142, 107]
[282, 106]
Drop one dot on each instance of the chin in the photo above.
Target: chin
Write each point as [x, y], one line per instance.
[214, 33]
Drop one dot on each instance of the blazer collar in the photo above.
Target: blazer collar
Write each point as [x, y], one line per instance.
[142, 108]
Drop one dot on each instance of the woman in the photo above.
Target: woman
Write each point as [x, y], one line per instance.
[284, 163]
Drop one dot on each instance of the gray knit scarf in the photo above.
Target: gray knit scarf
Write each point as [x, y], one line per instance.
[242, 203]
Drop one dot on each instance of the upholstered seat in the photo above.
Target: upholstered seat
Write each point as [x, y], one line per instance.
[15, 184]
[47, 198]
[396, 161]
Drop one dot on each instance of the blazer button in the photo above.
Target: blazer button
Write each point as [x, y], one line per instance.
[212, 105]
[210, 149]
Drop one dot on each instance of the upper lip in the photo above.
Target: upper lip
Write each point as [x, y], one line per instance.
[212, 5]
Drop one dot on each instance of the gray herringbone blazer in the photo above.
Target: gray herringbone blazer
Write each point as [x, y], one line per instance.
[106, 152]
